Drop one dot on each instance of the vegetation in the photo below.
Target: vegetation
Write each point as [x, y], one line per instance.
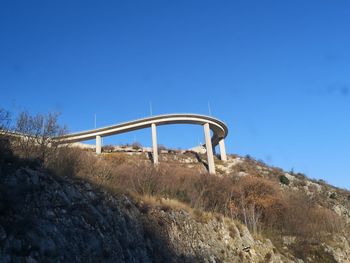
[333, 196]
[136, 146]
[257, 202]
[39, 129]
[5, 119]
[284, 179]
[107, 148]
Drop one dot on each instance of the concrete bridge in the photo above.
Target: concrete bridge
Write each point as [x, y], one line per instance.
[218, 127]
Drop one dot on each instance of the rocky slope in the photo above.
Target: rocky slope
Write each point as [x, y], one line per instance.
[50, 219]
[46, 218]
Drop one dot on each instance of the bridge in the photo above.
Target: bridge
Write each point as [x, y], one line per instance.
[218, 128]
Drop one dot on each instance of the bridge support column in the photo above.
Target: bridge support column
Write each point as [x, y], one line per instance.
[208, 145]
[154, 143]
[222, 150]
[98, 144]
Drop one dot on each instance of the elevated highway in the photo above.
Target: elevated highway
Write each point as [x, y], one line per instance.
[218, 128]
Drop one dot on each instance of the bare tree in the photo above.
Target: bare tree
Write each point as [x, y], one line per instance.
[36, 133]
[5, 120]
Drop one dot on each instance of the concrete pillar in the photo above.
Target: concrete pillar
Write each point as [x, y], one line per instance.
[222, 150]
[211, 164]
[154, 143]
[98, 144]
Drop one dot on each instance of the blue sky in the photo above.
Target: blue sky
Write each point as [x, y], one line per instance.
[277, 72]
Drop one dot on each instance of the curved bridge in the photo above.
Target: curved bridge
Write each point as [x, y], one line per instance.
[218, 127]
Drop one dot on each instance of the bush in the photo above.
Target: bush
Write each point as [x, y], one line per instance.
[136, 146]
[248, 157]
[115, 158]
[64, 161]
[306, 219]
[161, 147]
[284, 180]
[306, 250]
[259, 202]
[300, 176]
[322, 182]
[108, 148]
[333, 196]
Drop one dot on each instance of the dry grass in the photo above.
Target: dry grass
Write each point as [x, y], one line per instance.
[165, 204]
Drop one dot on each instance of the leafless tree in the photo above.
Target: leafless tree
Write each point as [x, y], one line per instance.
[36, 134]
[5, 119]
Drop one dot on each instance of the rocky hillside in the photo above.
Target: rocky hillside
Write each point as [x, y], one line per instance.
[49, 219]
[51, 215]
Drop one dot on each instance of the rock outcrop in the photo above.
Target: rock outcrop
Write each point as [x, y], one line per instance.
[49, 219]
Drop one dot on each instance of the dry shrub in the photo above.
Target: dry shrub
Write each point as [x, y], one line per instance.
[324, 221]
[108, 148]
[115, 158]
[255, 201]
[306, 219]
[177, 182]
[139, 178]
[63, 161]
[306, 250]
[164, 203]
[136, 146]
[212, 193]
[72, 161]
[94, 169]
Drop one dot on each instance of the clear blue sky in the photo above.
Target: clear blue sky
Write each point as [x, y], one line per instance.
[277, 72]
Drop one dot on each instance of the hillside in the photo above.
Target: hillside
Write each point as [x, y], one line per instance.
[118, 207]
